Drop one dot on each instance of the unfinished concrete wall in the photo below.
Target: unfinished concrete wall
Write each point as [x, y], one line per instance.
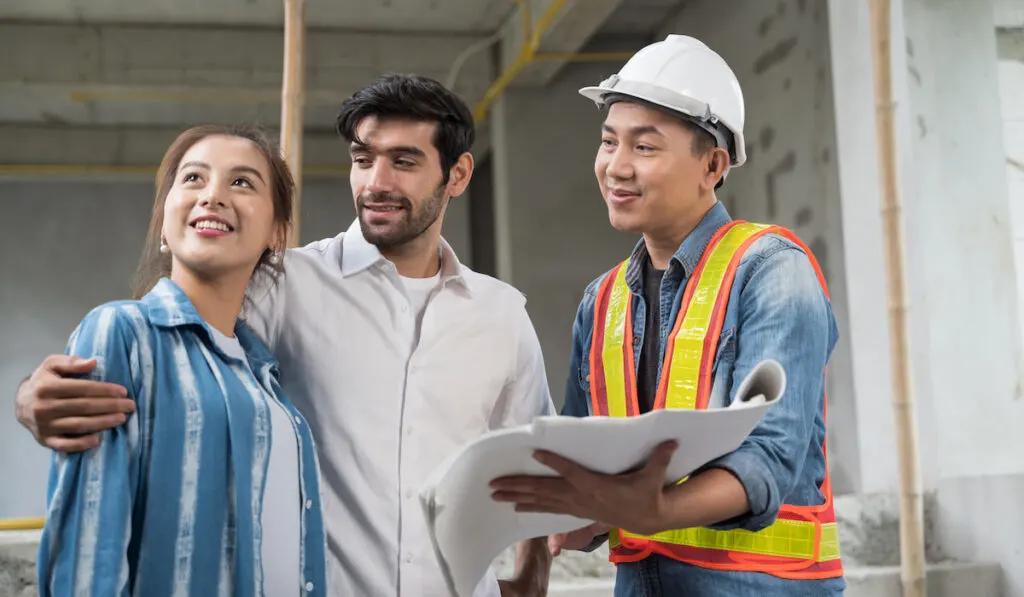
[552, 224]
[69, 245]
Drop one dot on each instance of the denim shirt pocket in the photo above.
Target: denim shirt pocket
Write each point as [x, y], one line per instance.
[722, 369]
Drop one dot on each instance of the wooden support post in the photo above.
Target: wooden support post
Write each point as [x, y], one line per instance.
[912, 549]
[293, 98]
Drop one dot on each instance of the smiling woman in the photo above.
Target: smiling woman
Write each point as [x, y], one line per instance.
[255, 170]
[211, 486]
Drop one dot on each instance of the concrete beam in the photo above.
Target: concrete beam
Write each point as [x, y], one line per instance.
[1010, 43]
[574, 23]
[128, 151]
[146, 75]
[1008, 13]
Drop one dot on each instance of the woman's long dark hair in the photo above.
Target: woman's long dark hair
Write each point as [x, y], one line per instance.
[153, 265]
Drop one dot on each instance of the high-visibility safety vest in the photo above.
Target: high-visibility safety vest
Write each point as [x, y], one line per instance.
[803, 542]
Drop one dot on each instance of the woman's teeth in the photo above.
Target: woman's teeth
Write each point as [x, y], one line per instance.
[212, 225]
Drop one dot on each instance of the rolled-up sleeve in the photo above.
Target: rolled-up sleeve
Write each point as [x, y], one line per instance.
[784, 315]
[527, 395]
[84, 545]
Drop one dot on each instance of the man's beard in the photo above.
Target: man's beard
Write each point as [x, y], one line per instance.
[413, 223]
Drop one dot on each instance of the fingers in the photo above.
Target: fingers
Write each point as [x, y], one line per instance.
[86, 407]
[58, 387]
[563, 466]
[81, 425]
[531, 486]
[660, 458]
[542, 508]
[72, 444]
[68, 364]
[555, 543]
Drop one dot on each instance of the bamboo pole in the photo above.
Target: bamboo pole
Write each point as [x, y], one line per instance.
[293, 97]
[912, 551]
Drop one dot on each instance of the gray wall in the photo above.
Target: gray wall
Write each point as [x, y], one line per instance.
[69, 245]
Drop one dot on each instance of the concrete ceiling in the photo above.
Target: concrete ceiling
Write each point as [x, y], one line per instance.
[640, 17]
[464, 16]
[132, 64]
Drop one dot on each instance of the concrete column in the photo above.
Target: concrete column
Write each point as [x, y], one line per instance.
[959, 259]
[960, 214]
[967, 279]
[867, 333]
[551, 224]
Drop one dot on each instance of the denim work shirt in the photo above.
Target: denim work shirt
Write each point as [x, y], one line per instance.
[170, 501]
[777, 310]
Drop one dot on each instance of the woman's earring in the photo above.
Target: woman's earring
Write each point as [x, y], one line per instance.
[163, 246]
[275, 257]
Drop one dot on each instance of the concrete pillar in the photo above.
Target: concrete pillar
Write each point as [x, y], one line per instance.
[965, 333]
[551, 224]
[959, 261]
[867, 333]
[959, 210]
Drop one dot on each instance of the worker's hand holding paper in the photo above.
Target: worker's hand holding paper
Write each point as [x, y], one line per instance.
[470, 529]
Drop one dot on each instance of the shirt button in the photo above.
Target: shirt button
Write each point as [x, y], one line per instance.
[408, 493]
[636, 340]
[408, 558]
[309, 587]
[405, 308]
[309, 504]
[408, 431]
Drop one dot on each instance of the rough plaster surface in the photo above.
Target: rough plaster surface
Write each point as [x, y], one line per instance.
[17, 564]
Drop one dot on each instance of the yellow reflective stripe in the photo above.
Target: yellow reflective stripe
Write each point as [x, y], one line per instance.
[784, 538]
[612, 355]
[684, 372]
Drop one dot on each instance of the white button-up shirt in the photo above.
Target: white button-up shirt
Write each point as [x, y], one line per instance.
[386, 407]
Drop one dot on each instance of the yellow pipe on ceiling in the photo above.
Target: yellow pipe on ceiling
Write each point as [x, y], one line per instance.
[528, 54]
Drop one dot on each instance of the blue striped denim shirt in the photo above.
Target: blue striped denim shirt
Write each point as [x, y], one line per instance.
[170, 502]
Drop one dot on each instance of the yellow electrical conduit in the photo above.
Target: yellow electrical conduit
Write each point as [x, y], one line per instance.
[21, 524]
[527, 55]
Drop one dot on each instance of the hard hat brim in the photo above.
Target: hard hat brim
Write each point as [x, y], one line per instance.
[694, 109]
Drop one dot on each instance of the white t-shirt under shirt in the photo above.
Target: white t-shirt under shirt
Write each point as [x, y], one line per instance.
[282, 507]
[419, 290]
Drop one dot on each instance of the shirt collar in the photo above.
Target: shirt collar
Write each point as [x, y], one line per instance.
[689, 252]
[170, 307]
[358, 254]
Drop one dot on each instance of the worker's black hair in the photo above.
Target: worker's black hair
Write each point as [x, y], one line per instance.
[417, 98]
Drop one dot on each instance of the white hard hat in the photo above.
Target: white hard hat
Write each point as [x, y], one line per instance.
[685, 76]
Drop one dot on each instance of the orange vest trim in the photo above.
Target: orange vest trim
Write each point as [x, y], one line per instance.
[803, 542]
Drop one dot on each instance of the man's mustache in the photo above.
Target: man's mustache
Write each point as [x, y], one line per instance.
[390, 199]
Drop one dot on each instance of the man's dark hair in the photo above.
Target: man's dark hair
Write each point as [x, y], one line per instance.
[417, 98]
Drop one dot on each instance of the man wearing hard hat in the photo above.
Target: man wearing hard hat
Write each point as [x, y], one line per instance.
[701, 300]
